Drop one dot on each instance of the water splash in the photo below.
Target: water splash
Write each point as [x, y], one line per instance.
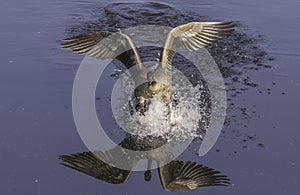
[178, 121]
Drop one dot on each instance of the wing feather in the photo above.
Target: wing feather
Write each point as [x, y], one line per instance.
[107, 45]
[182, 176]
[193, 36]
[89, 163]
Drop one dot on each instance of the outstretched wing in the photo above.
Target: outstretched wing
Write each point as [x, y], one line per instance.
[193, 36]
[182, 176]
[107, 45]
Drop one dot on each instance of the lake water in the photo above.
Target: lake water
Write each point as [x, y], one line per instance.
[257, 151]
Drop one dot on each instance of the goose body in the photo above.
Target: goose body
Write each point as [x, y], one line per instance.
[109, 45]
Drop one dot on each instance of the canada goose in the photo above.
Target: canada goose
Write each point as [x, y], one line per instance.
[174, 176]
[109, 45]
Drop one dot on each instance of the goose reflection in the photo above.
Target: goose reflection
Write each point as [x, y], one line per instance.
[148, 84]
[174, 176]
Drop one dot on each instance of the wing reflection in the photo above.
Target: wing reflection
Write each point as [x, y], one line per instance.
[88, 163]
[182, 176]
[174, 176]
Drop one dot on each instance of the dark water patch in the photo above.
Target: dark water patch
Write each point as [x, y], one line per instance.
[125, 15]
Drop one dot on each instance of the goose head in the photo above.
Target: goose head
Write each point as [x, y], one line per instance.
[152, 89]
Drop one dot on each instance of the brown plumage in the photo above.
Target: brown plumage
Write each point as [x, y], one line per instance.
[108, 45]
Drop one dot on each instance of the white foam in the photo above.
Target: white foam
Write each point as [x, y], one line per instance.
[179, 122]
